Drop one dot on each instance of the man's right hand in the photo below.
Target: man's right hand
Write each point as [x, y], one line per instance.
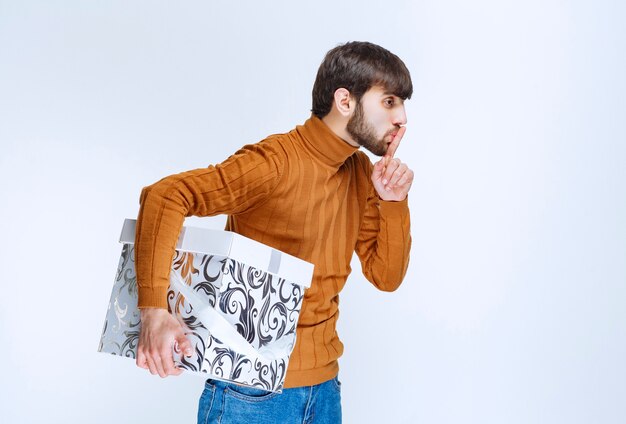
[159, 331]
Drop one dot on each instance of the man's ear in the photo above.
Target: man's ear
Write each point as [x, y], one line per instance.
[344, 102]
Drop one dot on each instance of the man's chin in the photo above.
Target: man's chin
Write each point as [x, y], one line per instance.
[377, 151]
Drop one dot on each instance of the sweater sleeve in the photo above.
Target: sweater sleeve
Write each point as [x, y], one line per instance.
[237, 185]
[384, 242]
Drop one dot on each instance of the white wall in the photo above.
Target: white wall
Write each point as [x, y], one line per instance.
[512, 310]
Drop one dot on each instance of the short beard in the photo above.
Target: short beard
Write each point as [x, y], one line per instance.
[363, 133]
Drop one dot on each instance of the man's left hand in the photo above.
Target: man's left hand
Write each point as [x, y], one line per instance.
[392, 179]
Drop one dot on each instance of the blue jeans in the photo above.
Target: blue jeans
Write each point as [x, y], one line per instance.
[226, 403]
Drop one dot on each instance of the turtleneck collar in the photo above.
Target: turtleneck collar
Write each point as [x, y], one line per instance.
[324, 143]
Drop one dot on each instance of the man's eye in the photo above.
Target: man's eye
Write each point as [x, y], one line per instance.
[388, 102]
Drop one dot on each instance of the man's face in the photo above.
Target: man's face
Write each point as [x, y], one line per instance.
[376, 120]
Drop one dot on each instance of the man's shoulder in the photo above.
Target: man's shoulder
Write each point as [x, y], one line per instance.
[273, 144]
[276, 137]
[281, 144]
[282, 137]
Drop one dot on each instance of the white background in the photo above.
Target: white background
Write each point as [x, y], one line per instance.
[513, 307]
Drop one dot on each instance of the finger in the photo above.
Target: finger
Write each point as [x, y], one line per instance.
[151, 365]
[406, 180]
[391, 168]
[379, 166]
[158, 363]
[184, 345]
[377, 172]
[141, 360]
[393, 146]
[167, 363]
[169, 368]
[397, 175]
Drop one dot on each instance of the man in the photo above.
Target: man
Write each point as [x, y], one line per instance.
[309, 193]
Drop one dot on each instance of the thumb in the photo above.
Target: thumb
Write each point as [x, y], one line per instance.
[379, 167]
[184, 344]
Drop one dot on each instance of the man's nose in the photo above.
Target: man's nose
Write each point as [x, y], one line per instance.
[400, 116]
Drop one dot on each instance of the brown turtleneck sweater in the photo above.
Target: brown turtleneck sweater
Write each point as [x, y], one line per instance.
[307, 193]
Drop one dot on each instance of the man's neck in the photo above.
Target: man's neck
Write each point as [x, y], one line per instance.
[338, 126]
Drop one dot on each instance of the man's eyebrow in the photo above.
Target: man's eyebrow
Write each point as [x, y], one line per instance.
[386, 94]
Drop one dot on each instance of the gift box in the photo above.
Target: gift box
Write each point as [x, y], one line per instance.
[237, 299]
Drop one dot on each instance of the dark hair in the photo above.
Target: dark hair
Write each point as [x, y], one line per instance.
[357, 66]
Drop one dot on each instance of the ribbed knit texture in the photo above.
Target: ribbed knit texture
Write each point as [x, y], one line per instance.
[307, 193]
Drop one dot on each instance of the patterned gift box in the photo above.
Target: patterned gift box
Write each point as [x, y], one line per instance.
[238, 299]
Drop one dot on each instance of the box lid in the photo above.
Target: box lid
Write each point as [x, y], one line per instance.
[237, 247]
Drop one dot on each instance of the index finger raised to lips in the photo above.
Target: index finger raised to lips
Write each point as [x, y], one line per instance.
[393, 146]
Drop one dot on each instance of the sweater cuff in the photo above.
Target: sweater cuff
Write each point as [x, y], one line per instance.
[152, 297]
[389, 207]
